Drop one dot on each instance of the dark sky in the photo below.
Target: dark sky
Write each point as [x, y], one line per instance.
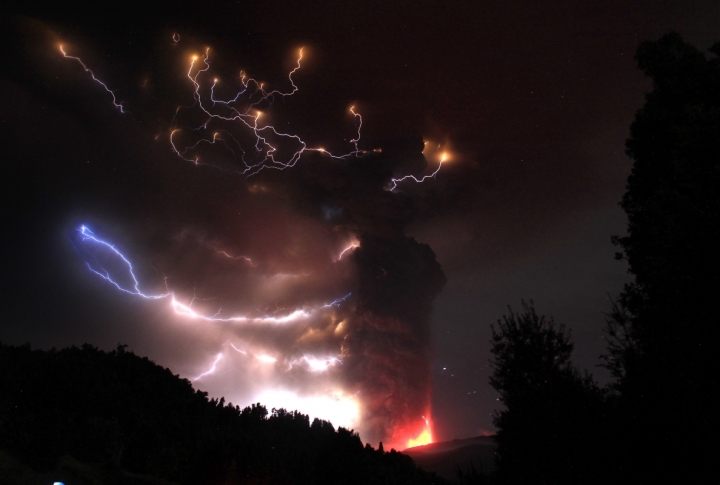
[533, 100]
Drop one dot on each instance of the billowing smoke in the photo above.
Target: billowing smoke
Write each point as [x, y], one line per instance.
[389, 338]
[283, 267]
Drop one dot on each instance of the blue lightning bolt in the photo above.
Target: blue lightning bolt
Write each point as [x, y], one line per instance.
[87, 236]
[184, 309]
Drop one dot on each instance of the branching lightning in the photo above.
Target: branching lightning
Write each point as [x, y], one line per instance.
[264, 151]
[311, 363]
[94, 245]
[337, 302]
[266, 138]
[87, 236]
[238, 127]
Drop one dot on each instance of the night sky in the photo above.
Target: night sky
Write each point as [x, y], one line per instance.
[532, 101]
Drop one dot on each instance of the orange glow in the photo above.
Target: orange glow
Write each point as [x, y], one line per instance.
[424, 438]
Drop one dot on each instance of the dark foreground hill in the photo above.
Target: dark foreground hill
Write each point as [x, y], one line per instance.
[85, 416]
[447, 457]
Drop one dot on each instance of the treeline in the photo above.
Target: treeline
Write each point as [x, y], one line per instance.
[128, 417]
[658, 421]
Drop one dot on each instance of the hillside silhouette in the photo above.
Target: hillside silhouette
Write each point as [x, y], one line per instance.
[448, 458]
[87, 416]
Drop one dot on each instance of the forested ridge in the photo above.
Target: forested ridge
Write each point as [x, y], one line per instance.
[132, 421]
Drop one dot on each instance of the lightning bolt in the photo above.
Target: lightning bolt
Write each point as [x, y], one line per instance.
[349, 248]
[96, 248]
[238, 125]
[315, 364]
[311, 363]
[239, 350]
[264, 150]
[337, 302]
[249, 119]
[92, 74]
[211, 370]
[87, 236]
[249, 261]
[420, 180]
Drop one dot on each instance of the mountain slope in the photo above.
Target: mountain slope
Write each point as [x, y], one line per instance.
[445, 458]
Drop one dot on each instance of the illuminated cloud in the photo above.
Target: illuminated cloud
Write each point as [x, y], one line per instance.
[291, 284]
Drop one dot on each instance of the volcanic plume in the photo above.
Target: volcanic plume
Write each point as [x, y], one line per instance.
[283, 266]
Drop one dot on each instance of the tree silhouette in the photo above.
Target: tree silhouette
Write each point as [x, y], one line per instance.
[122, 419]
[664, 325]
[552, 426]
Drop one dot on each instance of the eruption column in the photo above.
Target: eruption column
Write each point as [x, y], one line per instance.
[367, 351]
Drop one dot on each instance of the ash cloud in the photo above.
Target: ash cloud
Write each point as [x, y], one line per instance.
[390, 339]
[269, 245]
[381, 333]
[387, 339]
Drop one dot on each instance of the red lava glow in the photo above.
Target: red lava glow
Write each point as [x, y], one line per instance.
[424, 438]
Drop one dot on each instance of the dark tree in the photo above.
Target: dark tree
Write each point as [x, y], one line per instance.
[87, 416]
[552, 426]
[665, 324]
